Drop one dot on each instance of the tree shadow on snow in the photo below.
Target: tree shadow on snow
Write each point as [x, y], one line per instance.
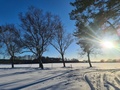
[55, 86]
[40, 81]
[27, 71]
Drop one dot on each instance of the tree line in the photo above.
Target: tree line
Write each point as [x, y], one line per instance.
[38, 31]
[17, 60]
[94, 18]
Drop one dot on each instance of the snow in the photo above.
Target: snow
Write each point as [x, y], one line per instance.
[76, 76]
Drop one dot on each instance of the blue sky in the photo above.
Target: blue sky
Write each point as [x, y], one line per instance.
[9, 10]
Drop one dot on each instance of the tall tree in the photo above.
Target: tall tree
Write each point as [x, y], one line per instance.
[87, 40]
[91, 16]
[39, 30]
[98, 12]
[11, 38]
[61, 41]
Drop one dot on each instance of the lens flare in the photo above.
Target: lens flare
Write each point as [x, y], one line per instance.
[107, 44]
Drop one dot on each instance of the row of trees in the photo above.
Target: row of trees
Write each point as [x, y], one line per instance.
[93, 17]
[38, 31]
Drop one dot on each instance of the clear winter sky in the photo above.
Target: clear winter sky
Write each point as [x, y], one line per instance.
[9, 10]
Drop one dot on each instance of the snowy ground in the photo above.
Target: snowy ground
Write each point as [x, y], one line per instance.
[103, 76]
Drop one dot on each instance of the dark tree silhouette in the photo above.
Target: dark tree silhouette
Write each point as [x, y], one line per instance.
[91, 16]
[99, 12]
[87, 41]
[61, 41]
[11, 38]
[39, 30]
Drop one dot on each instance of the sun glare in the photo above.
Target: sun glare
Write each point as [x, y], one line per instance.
[107, 44]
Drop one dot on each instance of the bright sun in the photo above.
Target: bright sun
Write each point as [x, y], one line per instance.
[107, 44]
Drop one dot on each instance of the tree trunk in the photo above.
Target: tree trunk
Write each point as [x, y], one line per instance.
[40, 62]
[12, 61]
[88, 54]
[63, 60]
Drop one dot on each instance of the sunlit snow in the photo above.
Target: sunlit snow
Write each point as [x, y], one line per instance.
[77, 76]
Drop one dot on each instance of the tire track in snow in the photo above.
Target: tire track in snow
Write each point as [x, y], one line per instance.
[111, 81]
[89, 83]
[98, 80]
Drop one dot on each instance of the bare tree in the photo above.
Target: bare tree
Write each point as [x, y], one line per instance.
[39, 29]
[11, 39]
[61, 41]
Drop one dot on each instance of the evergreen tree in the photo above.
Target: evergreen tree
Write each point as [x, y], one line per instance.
[90, 17]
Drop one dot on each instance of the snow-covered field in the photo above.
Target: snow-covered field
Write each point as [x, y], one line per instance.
[76, 76]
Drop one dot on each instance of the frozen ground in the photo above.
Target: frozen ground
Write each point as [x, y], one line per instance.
[103, 76]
